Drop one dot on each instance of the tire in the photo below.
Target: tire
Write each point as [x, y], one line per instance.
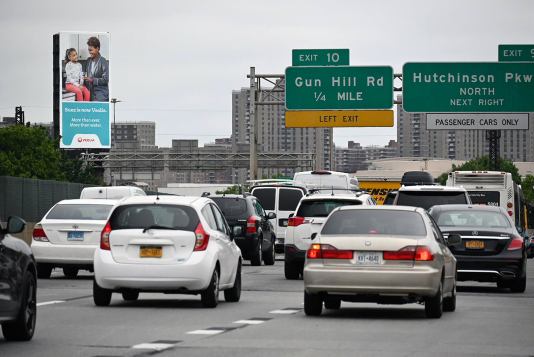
[256, 259]
[449, 304]
[434, 304]
[210, 296]
[519, 286]
[101, 296]
[290, 271]
[234, 294]
[503, 284]
[332, 304]
[70, 272]
[130, 295]
[24, 327]
[44, 271]
[313, 305]
[269, 258]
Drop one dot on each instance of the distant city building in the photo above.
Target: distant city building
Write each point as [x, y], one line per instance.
[351, 158]
[375, 152]
[136, 135]
[7, 121]
[416, 141]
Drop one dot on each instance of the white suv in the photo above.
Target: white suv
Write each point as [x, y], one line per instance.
[311, 213]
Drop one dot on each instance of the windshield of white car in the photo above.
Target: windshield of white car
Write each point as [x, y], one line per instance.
[80, 212]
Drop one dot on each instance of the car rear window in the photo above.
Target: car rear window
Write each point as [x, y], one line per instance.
[145, 215]
[80, 212]
[231, 206]
[376, 222]
[426, 199]
[289, 199]
[472, 219]
[266, 196]
[322, 208]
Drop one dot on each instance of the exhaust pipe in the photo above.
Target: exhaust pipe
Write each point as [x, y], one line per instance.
[508, 274]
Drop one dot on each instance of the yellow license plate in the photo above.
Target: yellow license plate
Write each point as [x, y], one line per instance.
[474, 244]
[150, 252]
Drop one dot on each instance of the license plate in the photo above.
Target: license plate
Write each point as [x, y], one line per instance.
[284, 222]
[150, 252]
[474, 244]
[369, 258]
[75, 236]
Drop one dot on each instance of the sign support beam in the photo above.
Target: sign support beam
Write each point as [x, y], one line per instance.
[493, 136]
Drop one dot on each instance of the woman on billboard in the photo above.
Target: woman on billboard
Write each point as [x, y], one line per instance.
[97, 72]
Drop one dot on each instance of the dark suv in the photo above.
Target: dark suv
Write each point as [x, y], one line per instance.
[253, 232]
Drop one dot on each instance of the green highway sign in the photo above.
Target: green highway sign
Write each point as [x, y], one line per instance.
[322, 57]
[468, 87]
[516, 53]
[338, 88]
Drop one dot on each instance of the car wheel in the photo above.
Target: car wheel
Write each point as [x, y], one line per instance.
[332, 304]
[234, 294]
[257, 258]
[313, 305]
[70, 272]
[44, 272]
[519, 286]
[449, 304]
[269, 257]
[130, 295]
[101, 296]
[210, 296]
[24, 327]
[291, 272]
[434, 304]
[503, 284]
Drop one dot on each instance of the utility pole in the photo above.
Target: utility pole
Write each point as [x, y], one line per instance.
[114, 101]
[253, 127]
[19, 115]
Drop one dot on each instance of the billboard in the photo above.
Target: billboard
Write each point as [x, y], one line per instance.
[85, 90]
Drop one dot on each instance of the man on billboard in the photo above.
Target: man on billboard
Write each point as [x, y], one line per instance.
[97, 72]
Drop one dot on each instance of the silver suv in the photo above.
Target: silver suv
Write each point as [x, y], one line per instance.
[311, 213]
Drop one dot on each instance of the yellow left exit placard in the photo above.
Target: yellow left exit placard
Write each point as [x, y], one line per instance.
[339, 118]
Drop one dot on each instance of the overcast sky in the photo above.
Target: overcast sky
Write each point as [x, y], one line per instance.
[177, 62]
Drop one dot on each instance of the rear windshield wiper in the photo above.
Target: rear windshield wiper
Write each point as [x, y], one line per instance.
[158, 227]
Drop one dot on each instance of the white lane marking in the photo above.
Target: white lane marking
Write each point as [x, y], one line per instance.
[50, 303]
[154, 346]
[287, 311]
[250, 322]
[205, 332]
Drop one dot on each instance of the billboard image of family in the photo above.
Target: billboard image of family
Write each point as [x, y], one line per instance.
[85, 116]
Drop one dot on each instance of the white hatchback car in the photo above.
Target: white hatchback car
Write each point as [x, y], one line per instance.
[169, 244]
[68, 236]
[311, 212]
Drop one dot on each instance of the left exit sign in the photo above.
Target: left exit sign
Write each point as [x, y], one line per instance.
[339, 57]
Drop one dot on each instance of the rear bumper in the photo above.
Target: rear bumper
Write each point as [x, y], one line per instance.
[490, 269]
[249, 245]
[293, 255]
[422, 281]
[191, 276]
[62, 254]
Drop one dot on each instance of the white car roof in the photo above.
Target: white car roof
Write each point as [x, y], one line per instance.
[430, 188]
[337, 196]
[386, 207]
[87, 201]
[163, 199]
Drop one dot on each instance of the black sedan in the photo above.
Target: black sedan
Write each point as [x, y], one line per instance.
[491, 250]
[18, 286]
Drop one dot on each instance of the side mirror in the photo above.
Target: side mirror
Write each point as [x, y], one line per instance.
[453, 239]
[519, 229]
[15, 224]
[313, 235]
[271, 215]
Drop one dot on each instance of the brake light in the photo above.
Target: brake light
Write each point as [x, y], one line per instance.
[327, 251]
[321, 172]
[202, 238]
[104, 237]
[39, 234]
[423, 253]
[251, 225]
[411, 252]
[510, 213]
[515, 244]
[295, 221]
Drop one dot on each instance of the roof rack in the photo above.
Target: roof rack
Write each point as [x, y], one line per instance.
[357, 192]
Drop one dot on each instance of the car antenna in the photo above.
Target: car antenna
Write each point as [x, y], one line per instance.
[332, 190]
[157, 193]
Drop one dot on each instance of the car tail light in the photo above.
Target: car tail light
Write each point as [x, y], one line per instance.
[326, 251]
[39, 233]
[515, 244]
[510, 213]
[251, 225]
[296, 221]
[104, 237]
[202, 238]
[411, 252]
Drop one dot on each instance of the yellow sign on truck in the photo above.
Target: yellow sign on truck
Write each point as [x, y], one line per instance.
[379, 189]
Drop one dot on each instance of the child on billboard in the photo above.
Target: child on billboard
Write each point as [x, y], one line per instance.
[74, 82]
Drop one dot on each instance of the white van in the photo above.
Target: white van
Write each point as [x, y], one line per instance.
[111, 193]
[323, 178]
[282, 199]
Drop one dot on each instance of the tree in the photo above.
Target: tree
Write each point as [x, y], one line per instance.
[527, 185]
[75, 170]
[273, 176]
[482, 164]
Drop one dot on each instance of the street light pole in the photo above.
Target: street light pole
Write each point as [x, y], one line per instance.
[115, 101]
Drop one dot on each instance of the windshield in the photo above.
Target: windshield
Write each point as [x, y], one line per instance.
[485, 198]
[231, 206]
[426, 199]
[80, 212]
[144, 216]
[376, 222]
[322, 208]
[472, 219]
